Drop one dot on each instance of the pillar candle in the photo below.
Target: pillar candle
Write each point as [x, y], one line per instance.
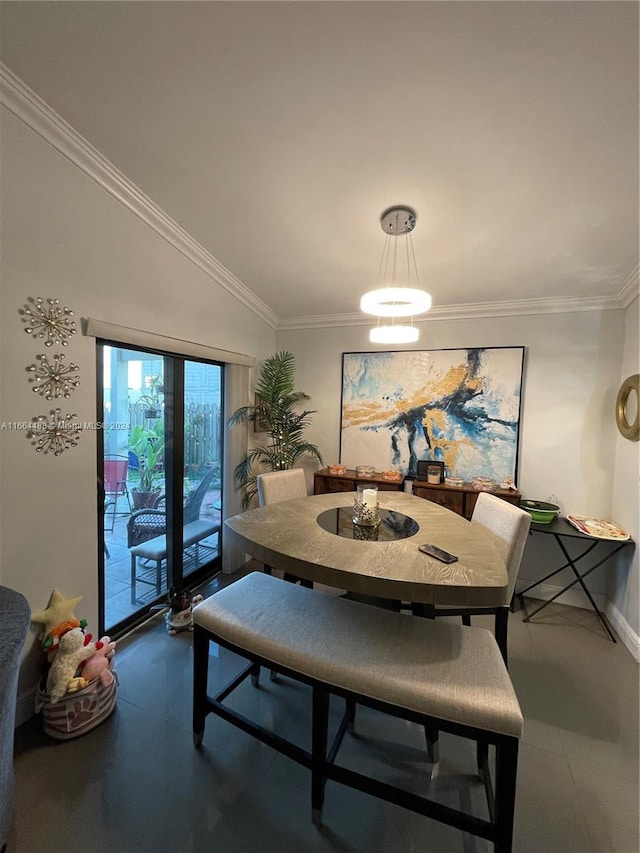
[370, 498]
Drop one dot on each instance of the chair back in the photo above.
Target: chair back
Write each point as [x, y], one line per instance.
[277, 486]
[191, 509]
[508, 526]
[115, 475]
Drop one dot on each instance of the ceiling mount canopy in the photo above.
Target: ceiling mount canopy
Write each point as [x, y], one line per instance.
[393, 300]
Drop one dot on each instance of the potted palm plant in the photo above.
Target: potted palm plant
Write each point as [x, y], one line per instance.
[148, 445]
[274, 413]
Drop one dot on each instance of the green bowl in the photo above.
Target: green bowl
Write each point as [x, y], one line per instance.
[541, 512]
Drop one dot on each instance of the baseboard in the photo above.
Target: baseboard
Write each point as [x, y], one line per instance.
[623, 629]
[577, 598]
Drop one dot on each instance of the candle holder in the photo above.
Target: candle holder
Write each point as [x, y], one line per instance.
[365, 507]
[363, 533]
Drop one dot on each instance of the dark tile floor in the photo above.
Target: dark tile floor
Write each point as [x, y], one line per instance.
[137, 784]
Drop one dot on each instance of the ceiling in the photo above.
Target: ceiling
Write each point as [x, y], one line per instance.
[276, 133]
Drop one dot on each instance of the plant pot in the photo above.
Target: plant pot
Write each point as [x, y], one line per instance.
[145, 500]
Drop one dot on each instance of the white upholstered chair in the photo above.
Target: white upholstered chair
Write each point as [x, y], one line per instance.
[275, 487]
[508, 527]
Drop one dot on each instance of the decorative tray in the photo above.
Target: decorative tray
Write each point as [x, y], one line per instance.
[601, 528]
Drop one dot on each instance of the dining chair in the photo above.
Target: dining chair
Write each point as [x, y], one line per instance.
[508, 527]
[274, 487]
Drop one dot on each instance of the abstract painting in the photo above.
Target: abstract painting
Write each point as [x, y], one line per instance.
[457, 406]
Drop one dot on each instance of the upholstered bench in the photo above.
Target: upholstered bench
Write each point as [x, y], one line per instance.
[442, 676]
[155, 550]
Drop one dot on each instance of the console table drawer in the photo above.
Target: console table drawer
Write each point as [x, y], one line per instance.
[449, 499]
[327, 485]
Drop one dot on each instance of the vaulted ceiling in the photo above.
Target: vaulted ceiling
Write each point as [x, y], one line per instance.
[276, 133]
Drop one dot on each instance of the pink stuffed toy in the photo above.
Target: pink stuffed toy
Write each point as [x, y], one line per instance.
[98, 664]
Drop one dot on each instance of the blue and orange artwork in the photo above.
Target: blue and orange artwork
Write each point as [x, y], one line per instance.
[457, 406]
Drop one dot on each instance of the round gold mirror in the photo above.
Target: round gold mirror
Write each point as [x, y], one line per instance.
[628, 409]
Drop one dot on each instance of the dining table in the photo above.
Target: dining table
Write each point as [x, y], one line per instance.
[315, 539]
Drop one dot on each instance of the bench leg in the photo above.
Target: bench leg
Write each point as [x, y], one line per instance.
[319, 725]
[200, 673]
[505, 796]
[431, 734]
[351, 714]
[501, 626]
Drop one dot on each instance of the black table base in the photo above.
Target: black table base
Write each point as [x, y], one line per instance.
[560, 528]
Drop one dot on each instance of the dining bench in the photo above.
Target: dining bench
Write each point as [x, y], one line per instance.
[445, 677]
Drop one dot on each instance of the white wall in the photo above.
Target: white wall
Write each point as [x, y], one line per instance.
[64, 236]
[623, 589]
[568, 439]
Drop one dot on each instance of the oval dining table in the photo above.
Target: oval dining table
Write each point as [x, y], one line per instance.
[289, 537]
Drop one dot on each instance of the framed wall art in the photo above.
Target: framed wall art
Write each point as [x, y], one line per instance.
[460, 407]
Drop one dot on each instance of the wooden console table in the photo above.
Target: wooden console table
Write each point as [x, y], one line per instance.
[325, 483]
[459, 499]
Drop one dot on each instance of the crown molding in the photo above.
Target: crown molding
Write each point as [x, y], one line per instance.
[468, 311]
[27, 106]
[630, 288]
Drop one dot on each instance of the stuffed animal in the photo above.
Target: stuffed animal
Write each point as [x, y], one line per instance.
[71, 652]
[50, 641]
[98, 664]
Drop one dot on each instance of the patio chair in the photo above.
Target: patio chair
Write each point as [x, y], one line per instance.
[150, 525]
[146, 524]
[115, 484]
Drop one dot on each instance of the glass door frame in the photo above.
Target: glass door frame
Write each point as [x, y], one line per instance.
[174, 426]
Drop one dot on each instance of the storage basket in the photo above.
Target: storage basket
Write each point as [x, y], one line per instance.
[78, 713]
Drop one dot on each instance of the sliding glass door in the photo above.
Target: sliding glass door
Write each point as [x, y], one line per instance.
[160, 476]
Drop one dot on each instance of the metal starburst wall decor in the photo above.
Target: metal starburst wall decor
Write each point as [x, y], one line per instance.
[47, 320]
[54, 433]
[55, 379]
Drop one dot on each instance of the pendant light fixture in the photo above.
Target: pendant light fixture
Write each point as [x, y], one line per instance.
[396, 301]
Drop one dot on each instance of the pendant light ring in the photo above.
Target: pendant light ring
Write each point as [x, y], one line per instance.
[395, 302]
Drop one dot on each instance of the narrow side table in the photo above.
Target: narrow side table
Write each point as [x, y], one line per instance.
[560, 529]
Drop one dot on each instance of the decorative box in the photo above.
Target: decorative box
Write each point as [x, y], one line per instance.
[337, 469]
[365, 471]
[454, 481]
[483, 484]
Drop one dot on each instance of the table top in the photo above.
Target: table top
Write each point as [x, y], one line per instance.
[288, 537]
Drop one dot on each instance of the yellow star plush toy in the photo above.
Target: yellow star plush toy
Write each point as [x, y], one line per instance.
[60, 609]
